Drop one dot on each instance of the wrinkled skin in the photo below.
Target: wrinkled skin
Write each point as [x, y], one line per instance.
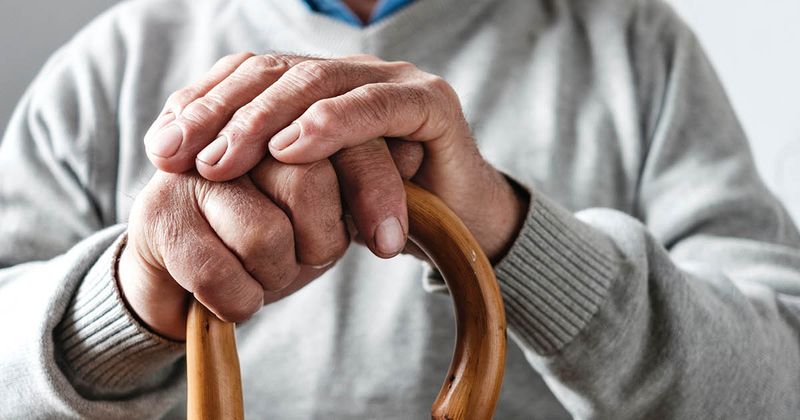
[260, 159]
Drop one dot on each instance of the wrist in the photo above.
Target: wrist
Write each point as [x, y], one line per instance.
[509, 206]
[490, 204]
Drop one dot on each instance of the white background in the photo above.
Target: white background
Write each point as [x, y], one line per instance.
[754, 44]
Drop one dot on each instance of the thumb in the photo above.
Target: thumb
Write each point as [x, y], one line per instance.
[407, 156]
[374, 195]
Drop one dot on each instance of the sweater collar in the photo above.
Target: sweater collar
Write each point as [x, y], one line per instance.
[305, 31]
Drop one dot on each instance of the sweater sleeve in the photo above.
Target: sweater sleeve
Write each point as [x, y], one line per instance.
[70, 347]
[691, 308]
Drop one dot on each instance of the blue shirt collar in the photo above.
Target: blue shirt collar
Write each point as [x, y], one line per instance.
[338, 10]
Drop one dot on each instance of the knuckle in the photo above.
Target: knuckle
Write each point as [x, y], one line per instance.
[263, 66]
[374, 102]
[311, 70]
[214, 101]
[320, 175]
[282, 276]
[160, 195]
[407, 65]
[303, 185]
[252, 245]
[249, 120]
[207, 273]
[277, 276]
[313, 77]
[321, 258]
[230, 61]
[164, 214]
[440, 85]
[363, 57]
[280, 265]
[332, 249]
[180, 98]
[148, 209]
[266, 241]
[316, 176]
[233, 58]
[170, 231]
[417, 96]
[441, 100]
[325, 117]
[339, 245]
[369, 93]
[403, 67]
[209, 106]
[279, 235]
[233, 301]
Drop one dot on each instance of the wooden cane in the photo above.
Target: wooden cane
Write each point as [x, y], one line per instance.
[472, 385]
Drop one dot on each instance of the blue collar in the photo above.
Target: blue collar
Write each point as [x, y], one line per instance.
[338, 10]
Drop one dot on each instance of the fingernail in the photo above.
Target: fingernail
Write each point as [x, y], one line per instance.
[212, 153]
[166, 142]
[285, 137]
[321, 266]
[389, 236]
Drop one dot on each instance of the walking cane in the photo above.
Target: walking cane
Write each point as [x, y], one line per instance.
[472, 385]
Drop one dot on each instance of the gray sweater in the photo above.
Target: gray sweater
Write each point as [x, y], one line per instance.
[655, 276]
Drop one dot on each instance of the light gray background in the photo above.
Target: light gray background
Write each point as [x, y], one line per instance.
[754, 45]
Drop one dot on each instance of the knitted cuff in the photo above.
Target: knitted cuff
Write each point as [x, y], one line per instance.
[555, 276]
[102, 348]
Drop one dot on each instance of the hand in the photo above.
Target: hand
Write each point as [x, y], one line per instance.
[302, 110]
[235, 245]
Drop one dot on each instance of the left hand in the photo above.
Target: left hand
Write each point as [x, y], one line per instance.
[303, 110]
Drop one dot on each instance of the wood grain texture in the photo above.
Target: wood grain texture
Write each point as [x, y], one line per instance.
[212, 367]
[472, 385]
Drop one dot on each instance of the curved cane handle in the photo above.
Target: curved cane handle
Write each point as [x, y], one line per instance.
[472, 385]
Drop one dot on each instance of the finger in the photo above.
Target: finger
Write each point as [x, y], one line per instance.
[367, 58]
[298, 88]
[156, 143]
[414, 111]
[374, 194]
[196, 258]
[411, 248]
[309, 195]
[253, 228]
[407, 156]
[201, 120]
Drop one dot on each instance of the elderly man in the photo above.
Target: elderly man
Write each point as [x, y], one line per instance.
[645, 269]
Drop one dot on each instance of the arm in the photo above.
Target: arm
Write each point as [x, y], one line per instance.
[690, 312]
[668, 316]
[67, 336]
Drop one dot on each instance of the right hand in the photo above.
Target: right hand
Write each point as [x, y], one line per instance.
[235, 245]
